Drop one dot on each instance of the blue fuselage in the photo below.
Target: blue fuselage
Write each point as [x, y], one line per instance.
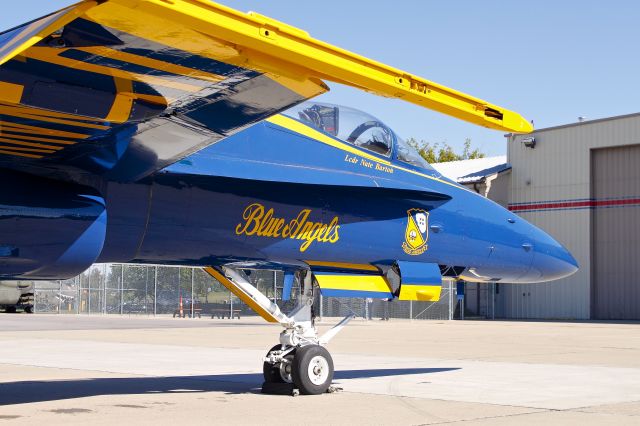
[273, 195]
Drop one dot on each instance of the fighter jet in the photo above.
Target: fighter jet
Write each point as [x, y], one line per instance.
[181, 132]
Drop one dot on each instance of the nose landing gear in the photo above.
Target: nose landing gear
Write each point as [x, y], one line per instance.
[300, 363]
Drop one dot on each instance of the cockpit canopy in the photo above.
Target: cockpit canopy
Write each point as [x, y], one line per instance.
[357, 128]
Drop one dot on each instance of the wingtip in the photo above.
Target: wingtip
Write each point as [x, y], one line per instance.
[515, 123]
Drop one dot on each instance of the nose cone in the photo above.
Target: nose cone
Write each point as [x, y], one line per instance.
[551, 261]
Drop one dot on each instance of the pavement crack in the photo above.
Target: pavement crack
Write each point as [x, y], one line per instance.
[487, 418]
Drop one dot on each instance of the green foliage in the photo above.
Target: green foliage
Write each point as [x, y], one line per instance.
[468, 154]
[443, 152]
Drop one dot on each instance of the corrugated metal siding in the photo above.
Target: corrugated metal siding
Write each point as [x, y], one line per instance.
[558, 168]
[616, 234]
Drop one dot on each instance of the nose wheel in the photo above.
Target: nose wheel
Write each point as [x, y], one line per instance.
[308, 368]
[312, 370]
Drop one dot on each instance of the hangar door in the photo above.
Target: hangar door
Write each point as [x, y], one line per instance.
[615, 186]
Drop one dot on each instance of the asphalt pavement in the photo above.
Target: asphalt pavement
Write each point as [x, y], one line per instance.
[106, 369]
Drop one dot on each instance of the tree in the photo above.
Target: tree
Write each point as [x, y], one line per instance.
[443, 152]
[468, 154]
[425, 149]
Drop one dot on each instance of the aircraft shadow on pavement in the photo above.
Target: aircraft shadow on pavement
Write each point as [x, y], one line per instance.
[56, 390]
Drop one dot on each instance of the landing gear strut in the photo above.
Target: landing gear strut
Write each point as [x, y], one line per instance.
[301, 359]
[300, 362]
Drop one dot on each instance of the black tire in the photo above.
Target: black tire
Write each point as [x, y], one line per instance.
[29, 309]
[305, 359]
[271, 372]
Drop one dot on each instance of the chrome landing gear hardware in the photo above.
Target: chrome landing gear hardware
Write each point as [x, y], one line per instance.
[300, 363]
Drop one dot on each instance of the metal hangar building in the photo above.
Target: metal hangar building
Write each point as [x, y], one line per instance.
[581, 183]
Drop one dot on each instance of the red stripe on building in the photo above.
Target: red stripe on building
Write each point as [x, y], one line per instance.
[575, 204]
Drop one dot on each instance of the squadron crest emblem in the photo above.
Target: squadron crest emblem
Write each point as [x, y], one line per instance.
[416, 235]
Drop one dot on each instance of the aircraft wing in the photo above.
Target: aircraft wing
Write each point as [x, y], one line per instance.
[123, 88]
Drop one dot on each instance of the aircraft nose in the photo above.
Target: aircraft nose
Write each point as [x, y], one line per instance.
[551, 260]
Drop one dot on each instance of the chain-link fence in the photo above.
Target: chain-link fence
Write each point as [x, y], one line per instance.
[445, 308]
[191, 292]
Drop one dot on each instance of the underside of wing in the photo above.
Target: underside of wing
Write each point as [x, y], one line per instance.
[119, 92]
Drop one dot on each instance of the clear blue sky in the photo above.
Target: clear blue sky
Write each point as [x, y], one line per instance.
[551, 61]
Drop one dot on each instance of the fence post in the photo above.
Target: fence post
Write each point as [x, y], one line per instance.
[122, 289]
[155, 292]
[321, 307]
[104, 289]
[230, 305]
[89, 291]
[450, 300]
[410, 309]
[493, 301]
[193, 312]
[78, 295]
[146, 290]
[275, 286]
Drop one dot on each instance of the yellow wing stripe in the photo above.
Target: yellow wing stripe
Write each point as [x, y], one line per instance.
[20, 154]
[49, 55]
[15, 112]
[122, 104]
[24, 128]
[17, 148]
[7, 108]
[155, 27]
[152, 63]
[10, 92]
[32, 144]
[12, 135]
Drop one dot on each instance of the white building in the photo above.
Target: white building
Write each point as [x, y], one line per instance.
[487, 176]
